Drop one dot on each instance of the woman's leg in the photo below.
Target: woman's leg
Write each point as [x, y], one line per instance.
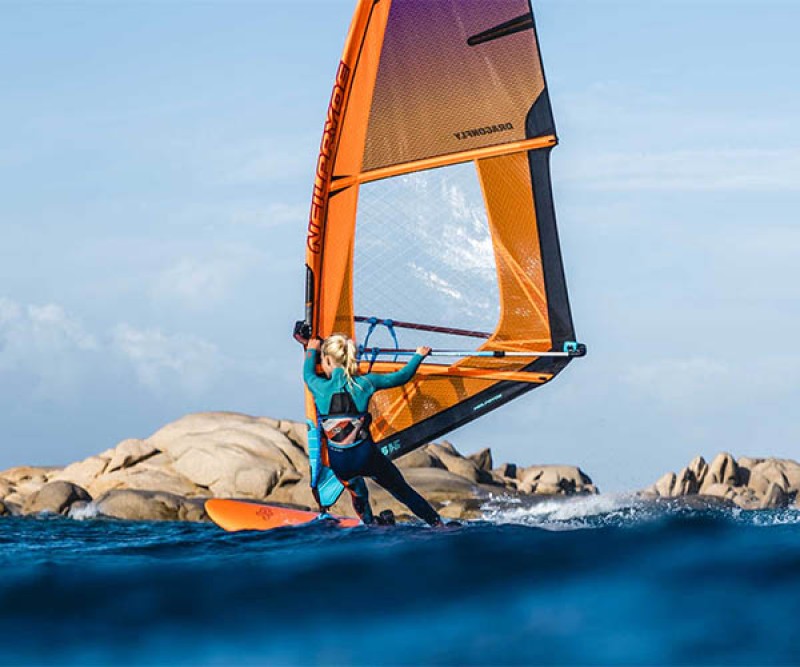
[386, 473]
[359, 494]
[347, 464]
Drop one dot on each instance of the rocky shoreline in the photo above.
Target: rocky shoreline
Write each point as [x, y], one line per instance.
[169, 475]
[749, 483]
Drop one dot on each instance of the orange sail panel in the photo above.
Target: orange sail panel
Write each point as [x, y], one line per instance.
[433, 209]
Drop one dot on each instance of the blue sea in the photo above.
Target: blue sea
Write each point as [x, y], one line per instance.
[592, 581]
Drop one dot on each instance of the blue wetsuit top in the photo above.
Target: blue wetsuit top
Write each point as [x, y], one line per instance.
[360, 390]
[362, 386]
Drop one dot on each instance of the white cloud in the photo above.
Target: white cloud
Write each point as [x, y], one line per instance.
[45, 345]
[52, 327]
[49, 353]
[613, 111]
[10, 312]
[717, 385]
[273, 215]
[436, 282]
[629, 138]
[40, 327]
[161, 361]
[678, 382]
[268, 161]
[751, 170]
[198, 282]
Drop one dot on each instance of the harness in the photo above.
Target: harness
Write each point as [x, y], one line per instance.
[344, 426]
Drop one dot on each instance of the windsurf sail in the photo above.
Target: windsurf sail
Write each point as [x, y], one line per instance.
[432, 218]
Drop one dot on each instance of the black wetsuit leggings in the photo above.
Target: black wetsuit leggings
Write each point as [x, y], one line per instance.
[351, 464]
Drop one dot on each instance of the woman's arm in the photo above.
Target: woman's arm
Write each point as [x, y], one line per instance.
[389, 380]
[314, 382]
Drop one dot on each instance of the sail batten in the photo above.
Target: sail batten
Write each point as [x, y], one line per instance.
[341, 182]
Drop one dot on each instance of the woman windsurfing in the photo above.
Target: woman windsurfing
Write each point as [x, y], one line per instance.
[342, 400]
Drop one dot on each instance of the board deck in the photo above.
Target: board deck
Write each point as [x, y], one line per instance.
[233, 515]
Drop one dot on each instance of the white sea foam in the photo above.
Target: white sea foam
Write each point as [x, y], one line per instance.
[567, 514]
[81, 512]
[599, 511]
[769, 518]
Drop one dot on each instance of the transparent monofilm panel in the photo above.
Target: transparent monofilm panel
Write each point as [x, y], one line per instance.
[423, 254]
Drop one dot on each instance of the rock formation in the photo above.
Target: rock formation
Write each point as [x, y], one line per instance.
[55, 497]
[229, 455]
[749, 483]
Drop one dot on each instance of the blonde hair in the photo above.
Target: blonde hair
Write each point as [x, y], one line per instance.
[342, 351]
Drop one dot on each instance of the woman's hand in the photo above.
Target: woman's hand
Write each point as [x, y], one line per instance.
[423, 351]
[314, 344]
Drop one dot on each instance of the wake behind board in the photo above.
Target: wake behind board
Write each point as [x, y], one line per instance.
[233, 515]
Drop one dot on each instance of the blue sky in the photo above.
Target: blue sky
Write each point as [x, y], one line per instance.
[155, 172]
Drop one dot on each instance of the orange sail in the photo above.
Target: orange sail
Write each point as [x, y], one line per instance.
[432, 218]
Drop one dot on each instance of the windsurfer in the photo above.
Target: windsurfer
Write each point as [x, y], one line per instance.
[342, 399]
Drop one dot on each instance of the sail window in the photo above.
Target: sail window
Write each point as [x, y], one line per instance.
[424, 255]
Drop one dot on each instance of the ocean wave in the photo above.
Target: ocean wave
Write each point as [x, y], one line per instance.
[610, 580]
[606, 510]
[567, 514]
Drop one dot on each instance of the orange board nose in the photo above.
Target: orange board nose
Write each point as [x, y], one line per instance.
[236, 515]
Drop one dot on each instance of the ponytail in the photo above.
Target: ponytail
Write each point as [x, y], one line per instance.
[342, 350]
